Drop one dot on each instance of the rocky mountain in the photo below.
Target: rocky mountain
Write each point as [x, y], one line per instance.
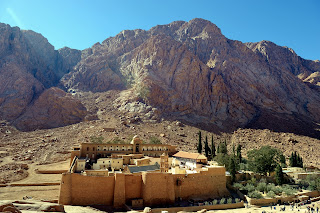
[29, 65]
[191, 71]
[183, 70]
[53, 108]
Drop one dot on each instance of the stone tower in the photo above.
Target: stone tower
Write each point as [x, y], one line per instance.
[164, 163]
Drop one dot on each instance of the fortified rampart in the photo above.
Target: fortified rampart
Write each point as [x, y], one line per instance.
[152, 188]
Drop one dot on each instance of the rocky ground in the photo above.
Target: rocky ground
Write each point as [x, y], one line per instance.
[20, 149]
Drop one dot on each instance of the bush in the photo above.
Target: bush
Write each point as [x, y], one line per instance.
[223, 201]
[117, 140]
[271, 194]
[253, 181]
[249, 187]
[255, 194]
[229, 200]
[244, 166]
[262, 187]
[155, 140]
[238, 186]
[214, 202]
[311, 183]
[95, 139]
[237, 200]
[288, 190]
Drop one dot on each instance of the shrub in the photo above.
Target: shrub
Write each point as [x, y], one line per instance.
[238, 186]
[262, 187]
[253, 181]
[288, 190]
[237, 200]
[214, 202]
[255, 194]
[249, 187]
[223, 201]
[95, 139]
[229, 200]
[155, 140]
[271, 194]
[244, 166]
[277, 190]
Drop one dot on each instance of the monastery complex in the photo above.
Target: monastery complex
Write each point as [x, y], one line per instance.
[138, 175]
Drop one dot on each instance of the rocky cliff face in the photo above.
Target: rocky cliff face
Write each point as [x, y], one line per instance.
[284, 58]
[28, 66]
[192, 71]
[187, 70]
[54, 108]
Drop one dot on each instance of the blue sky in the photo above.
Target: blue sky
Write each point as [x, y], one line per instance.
[81, 23]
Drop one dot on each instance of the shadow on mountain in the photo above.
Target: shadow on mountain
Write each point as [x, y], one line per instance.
[286, 123]
[275, 122]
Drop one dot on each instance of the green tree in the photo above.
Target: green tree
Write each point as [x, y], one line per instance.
[213, 148]
[295, 160]
[95, 139]
[223, 160]
[279, 175]
[239, 156]
[206, 147]
[155, 140]
[299, 161]
[223, 148]
[199, 143]
[232, 168]
[218, 148]
[291, 160]
[264, 160]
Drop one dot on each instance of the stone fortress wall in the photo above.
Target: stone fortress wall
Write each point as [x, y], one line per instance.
[152, 188]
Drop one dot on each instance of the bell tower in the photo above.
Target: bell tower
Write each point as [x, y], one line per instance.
[164, 163]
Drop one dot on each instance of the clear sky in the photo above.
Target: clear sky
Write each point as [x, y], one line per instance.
[81, 23]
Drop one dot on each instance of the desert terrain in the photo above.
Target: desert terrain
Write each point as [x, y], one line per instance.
[24, 152]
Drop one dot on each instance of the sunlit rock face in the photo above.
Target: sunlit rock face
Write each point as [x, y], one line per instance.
[192, 71]
[186, 70]
[29, 65]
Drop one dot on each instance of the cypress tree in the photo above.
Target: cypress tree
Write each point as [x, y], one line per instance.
[279, 175]
[199, 143]
[239, 156]
[232, 168]
[295, 159]
[291, 163]
[213, 148]
[206, 147]
[223, 148]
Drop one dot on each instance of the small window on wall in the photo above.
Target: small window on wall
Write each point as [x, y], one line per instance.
[93, 148]
[87, 148]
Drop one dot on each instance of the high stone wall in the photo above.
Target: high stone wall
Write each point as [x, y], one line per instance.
[133, 184]
[206, 184]
[157, 188]
[77, 189]
[154, 188]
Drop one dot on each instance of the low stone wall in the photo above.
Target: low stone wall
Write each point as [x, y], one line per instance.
[310, 194]
[50, 171]
[269, 201]
[198, 208]
[29, 184]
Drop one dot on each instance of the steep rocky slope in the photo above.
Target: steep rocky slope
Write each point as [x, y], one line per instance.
[28, 66]
[191, 71]
[54, 108]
